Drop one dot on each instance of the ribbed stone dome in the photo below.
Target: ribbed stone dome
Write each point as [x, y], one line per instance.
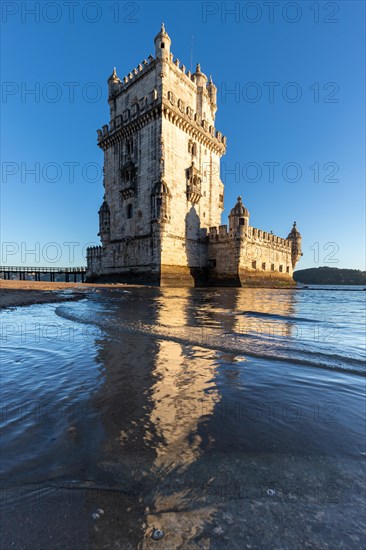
[162, 33]
[294, 232]
[239, 210]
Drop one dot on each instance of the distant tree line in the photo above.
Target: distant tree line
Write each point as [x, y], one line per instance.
[330, 276]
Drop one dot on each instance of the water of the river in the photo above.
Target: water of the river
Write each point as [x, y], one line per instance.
[228, 418]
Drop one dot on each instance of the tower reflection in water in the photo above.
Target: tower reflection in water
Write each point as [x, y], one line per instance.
[184, 386]
[164, 382]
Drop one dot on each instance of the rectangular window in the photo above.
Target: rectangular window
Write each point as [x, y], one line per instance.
[281, 268]
[272, 267]
[254, 264]
[288, 269]
[264, 266]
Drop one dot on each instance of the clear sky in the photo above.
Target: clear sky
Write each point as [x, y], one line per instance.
[290, 101]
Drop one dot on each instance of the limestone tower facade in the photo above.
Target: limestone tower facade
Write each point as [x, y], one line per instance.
[163, 197]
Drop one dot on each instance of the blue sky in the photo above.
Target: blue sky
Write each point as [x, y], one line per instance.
[290, 101]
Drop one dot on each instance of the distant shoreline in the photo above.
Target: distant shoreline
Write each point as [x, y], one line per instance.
[325, 275]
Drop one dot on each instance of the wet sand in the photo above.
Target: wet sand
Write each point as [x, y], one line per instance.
[228, 501]
[26, 293]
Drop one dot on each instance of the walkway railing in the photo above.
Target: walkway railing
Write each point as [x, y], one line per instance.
[7, 272]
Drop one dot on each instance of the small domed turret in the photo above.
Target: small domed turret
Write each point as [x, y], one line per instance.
[212, 93]
[239, 215]
[113, 83]
[294, 233]
[239, 209]
[113, 77]
[104, 222]
[295, 237]
[162, 44]
[200, 77]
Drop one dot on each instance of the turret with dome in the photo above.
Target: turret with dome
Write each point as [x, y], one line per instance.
[295, 238]
[239, 215]
[162, 44]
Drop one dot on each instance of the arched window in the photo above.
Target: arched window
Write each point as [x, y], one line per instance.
[129, 211]
[192, 148]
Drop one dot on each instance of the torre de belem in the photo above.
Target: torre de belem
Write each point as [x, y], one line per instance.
[160, 219]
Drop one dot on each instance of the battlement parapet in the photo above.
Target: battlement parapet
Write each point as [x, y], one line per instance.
[118, 85]
[223, 234]
[260, 235]
[188, 112]
[138, 108]
[247, 232]
[94, 252]
[144, 103]
[218, 233]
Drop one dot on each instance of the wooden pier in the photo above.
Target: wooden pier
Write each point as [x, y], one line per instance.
[67, 274]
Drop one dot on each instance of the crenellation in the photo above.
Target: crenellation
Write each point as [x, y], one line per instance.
[223, 231]
[213, 232]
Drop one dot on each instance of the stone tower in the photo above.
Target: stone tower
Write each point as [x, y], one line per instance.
[160, 218]
[161, 173]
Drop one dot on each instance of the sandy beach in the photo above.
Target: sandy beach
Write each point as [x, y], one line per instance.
[26, 293]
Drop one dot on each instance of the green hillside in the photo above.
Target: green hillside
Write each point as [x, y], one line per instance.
[330, 276]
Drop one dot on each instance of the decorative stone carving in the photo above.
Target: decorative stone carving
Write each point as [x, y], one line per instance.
[194, 181]
[128, 180]
[160, 199]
